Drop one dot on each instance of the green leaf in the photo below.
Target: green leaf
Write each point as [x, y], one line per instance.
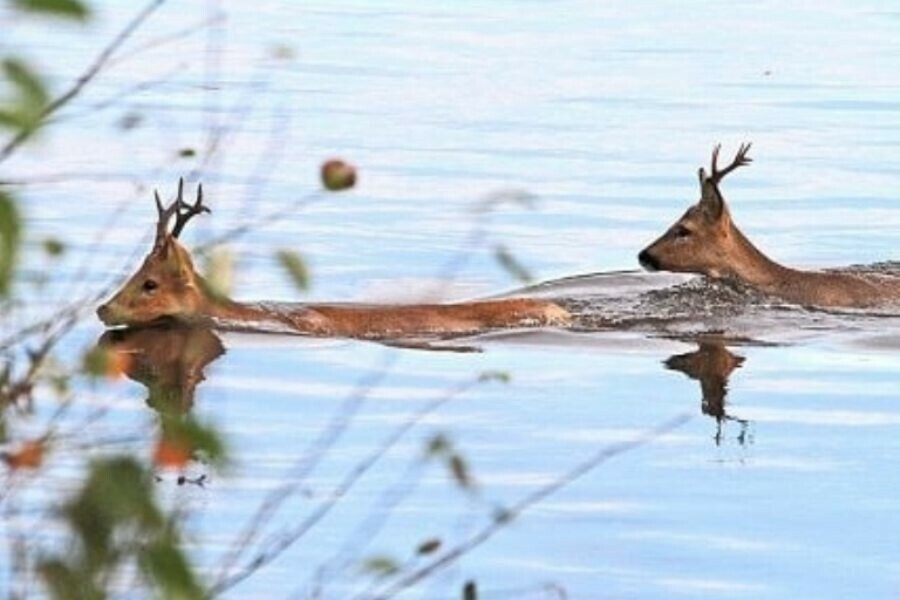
[196, 436]
[27, 81]
[53, 247]
[97, 361]
[499, 376]
[29, 99]
[69, 9]
[511, 264]
[296, 268]
[65, 582]
[116, 494]
[380, 565]
[166, 566]
[10, 238]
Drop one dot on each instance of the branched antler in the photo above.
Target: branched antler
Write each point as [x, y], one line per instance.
[181, 210]
[740, 159]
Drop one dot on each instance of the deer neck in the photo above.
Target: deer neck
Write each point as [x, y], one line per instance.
[217, 306]
[751, 266]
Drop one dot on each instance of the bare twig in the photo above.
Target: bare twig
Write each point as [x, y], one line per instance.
[309, 460]
[286, 539]
[92, 71]
[498, 523]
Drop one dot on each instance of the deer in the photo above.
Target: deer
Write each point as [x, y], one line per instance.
[166, 286]
[705, 240]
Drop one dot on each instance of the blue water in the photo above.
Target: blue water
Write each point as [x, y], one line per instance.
[604, 112]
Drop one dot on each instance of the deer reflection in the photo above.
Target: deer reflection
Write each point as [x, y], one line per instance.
[169, 361]
[712, 364]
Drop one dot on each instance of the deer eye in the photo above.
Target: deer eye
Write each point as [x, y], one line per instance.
[149, 285]
[681, 231]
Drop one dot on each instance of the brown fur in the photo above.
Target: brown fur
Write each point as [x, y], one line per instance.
[180, 293]
[706, 240]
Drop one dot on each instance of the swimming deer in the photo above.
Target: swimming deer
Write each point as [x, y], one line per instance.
[706, 240]
[166, 286]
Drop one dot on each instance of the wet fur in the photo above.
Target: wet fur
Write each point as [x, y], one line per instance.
[183, 295]
[706, 240]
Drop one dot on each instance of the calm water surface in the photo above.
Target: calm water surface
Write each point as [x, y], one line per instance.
[784, 481]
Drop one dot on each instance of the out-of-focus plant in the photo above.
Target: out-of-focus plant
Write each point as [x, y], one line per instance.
[116, 524]
[24, 98]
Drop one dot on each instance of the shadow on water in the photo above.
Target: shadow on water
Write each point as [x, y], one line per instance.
[171, 361]
[712, 364]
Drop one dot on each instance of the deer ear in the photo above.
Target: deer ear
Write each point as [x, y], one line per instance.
[173, 256]
[711, 203]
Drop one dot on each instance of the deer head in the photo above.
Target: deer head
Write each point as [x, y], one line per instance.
[165, 285]
[704, 240]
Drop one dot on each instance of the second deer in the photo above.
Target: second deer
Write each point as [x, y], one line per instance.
[706, 240]
[167, 286]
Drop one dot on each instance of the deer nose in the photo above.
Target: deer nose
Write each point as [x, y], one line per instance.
[648, 261]
[103, 312]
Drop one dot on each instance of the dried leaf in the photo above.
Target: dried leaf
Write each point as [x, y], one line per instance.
[338, 175]
[470, 591]
[219, 271]
[437, 445]
[171, 452]
[429, 546]
[459, 468]
[106, 362]
[53, 247]
[29, 455]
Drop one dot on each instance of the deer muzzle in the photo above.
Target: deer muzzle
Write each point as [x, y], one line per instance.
[648, 261]
[107, 315]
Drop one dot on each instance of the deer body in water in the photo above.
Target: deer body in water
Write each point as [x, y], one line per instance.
[706, 240]
[167, 286]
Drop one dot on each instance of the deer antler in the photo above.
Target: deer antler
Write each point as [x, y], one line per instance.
[740, 159]
[181, 210]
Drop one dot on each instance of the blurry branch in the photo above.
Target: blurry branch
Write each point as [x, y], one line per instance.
[92, 71]
[506, 516]
[71, 176]
[478, 235]
[258, 223]
[154, 43]
[367, 529]
[115, 99]
[286, 539]
[68, 315]
[317, 449]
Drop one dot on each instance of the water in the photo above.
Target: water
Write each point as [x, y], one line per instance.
[783, 481]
